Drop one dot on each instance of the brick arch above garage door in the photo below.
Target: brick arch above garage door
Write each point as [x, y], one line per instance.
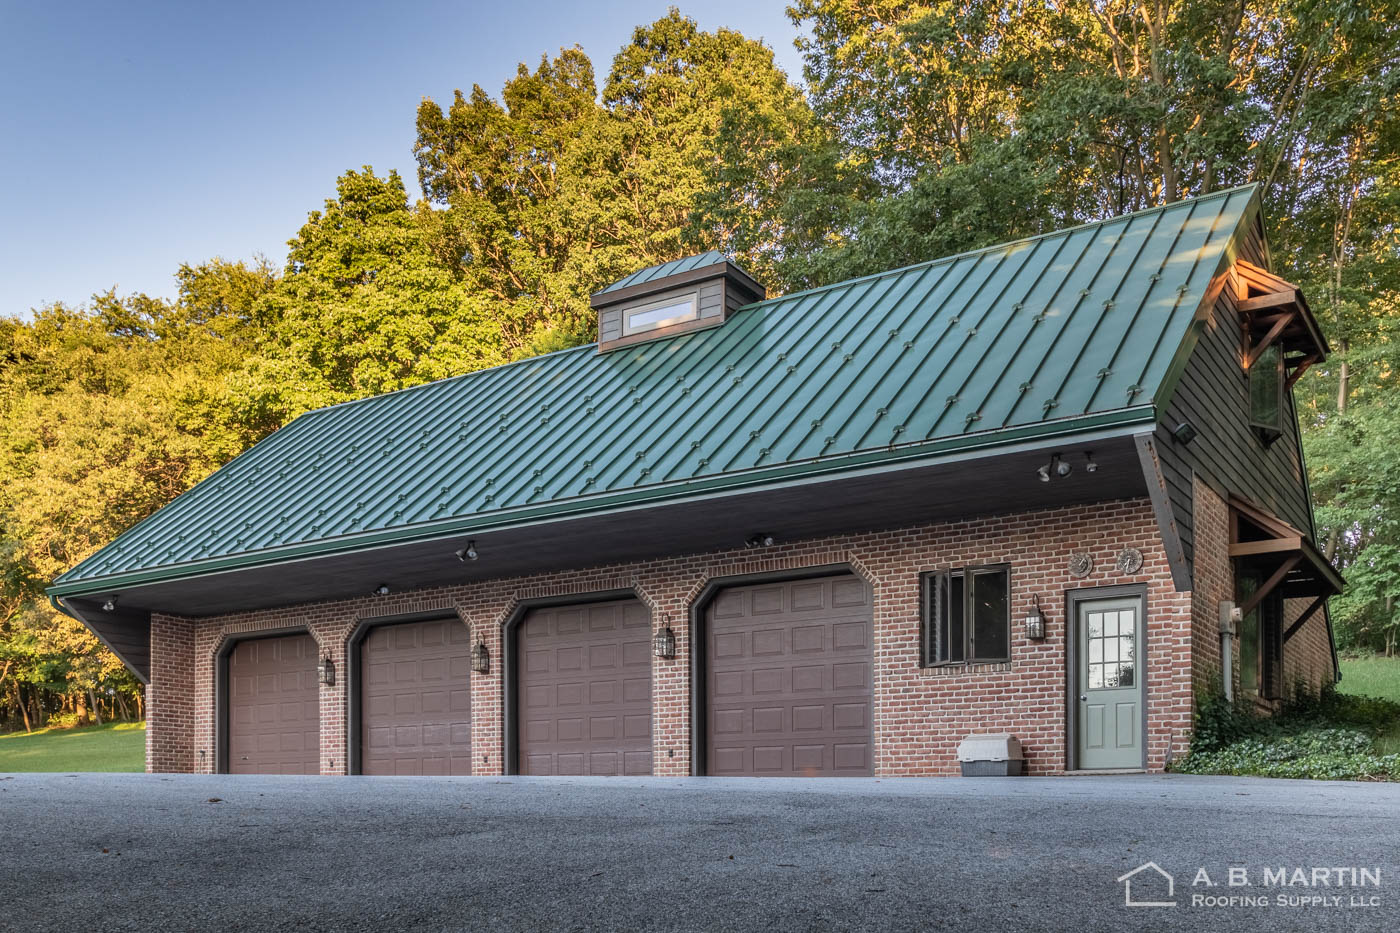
[788, 673]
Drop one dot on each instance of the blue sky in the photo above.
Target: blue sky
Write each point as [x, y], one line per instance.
[138, 135]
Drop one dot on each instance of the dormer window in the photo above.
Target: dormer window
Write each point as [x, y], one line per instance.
[671, 299]
[658, 314]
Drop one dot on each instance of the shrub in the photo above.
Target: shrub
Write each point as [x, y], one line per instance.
[1316, 734]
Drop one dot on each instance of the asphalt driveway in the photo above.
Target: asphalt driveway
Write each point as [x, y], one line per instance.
[129, 852]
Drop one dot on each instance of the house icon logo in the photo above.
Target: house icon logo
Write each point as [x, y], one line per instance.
[1147, 884]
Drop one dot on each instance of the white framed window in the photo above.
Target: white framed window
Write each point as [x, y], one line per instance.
[676, 309]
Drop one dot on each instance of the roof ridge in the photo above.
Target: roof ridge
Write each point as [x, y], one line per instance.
[1005, 245]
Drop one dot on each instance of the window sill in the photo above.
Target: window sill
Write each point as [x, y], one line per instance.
[967, 667]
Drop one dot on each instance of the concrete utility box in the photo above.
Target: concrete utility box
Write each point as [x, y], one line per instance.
[994, 755]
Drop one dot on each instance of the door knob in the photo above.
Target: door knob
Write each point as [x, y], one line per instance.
[1084, 698]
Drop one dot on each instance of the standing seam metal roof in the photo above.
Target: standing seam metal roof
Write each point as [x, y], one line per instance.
[1047, 334]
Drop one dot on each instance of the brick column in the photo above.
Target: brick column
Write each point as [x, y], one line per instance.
[170, 697]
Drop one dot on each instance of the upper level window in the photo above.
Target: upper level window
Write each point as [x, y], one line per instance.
[659, 314]
[1266, 394]
[967, 615]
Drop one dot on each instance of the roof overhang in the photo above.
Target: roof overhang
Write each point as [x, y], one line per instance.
[1286, 558]
[760, 481]
[1274, 311]
[957, 485]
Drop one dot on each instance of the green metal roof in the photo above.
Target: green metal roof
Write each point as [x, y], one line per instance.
[1042, 337]
[662, 270]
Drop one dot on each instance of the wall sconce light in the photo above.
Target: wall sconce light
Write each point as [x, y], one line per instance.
[1184, 433]
[1035, 621]
[110, 605]
[467, 553]
[664, 644]
[325, 672]
[481, 659]
[381, 590]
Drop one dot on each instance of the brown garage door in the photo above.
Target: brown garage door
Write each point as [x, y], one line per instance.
[584, 696]
[274, 718]
[788, 679]
[416, 699]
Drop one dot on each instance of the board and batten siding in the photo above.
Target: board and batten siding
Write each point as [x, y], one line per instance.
[1213, 396]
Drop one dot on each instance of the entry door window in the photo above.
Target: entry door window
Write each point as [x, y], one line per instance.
[1112, 638]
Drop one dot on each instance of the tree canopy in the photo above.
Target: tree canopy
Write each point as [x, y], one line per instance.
[918, 129]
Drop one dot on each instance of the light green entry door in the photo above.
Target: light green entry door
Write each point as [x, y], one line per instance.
[1110, 675]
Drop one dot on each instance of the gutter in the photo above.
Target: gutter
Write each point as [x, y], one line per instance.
[1112, 424]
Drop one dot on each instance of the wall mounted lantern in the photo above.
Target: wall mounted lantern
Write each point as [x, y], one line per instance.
[325, 672]
[481, 659]
[1035, 622]
[664, 644]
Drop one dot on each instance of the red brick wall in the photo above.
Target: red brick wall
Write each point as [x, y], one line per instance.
[1307, 656]
[1213, 581]
[920, 714]
[171, 698]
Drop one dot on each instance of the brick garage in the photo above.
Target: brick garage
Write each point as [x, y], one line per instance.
[1111, 440]
[921, 713]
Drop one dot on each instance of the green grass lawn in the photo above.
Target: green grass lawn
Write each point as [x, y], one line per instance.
[1372, 677]
[117, 746]
[1375, 677]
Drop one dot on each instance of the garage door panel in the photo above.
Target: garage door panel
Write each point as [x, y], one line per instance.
[585, 690]
[416, 699]
[273, 714]
[806, 596]
[789, 679]
[766, 601]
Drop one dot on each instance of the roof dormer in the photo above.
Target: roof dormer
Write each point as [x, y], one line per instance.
[672, 298]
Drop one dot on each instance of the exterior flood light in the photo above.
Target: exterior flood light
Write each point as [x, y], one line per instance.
[759, 540]
[1035, 621]
[467, 553]
[664, 644]
[1089, 465]
[110, 605]
[1044, 473]
[1062, 467]
[381, 590]
[325, 672]
[481, 659]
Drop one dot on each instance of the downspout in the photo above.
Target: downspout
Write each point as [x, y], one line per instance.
[1229, 617]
